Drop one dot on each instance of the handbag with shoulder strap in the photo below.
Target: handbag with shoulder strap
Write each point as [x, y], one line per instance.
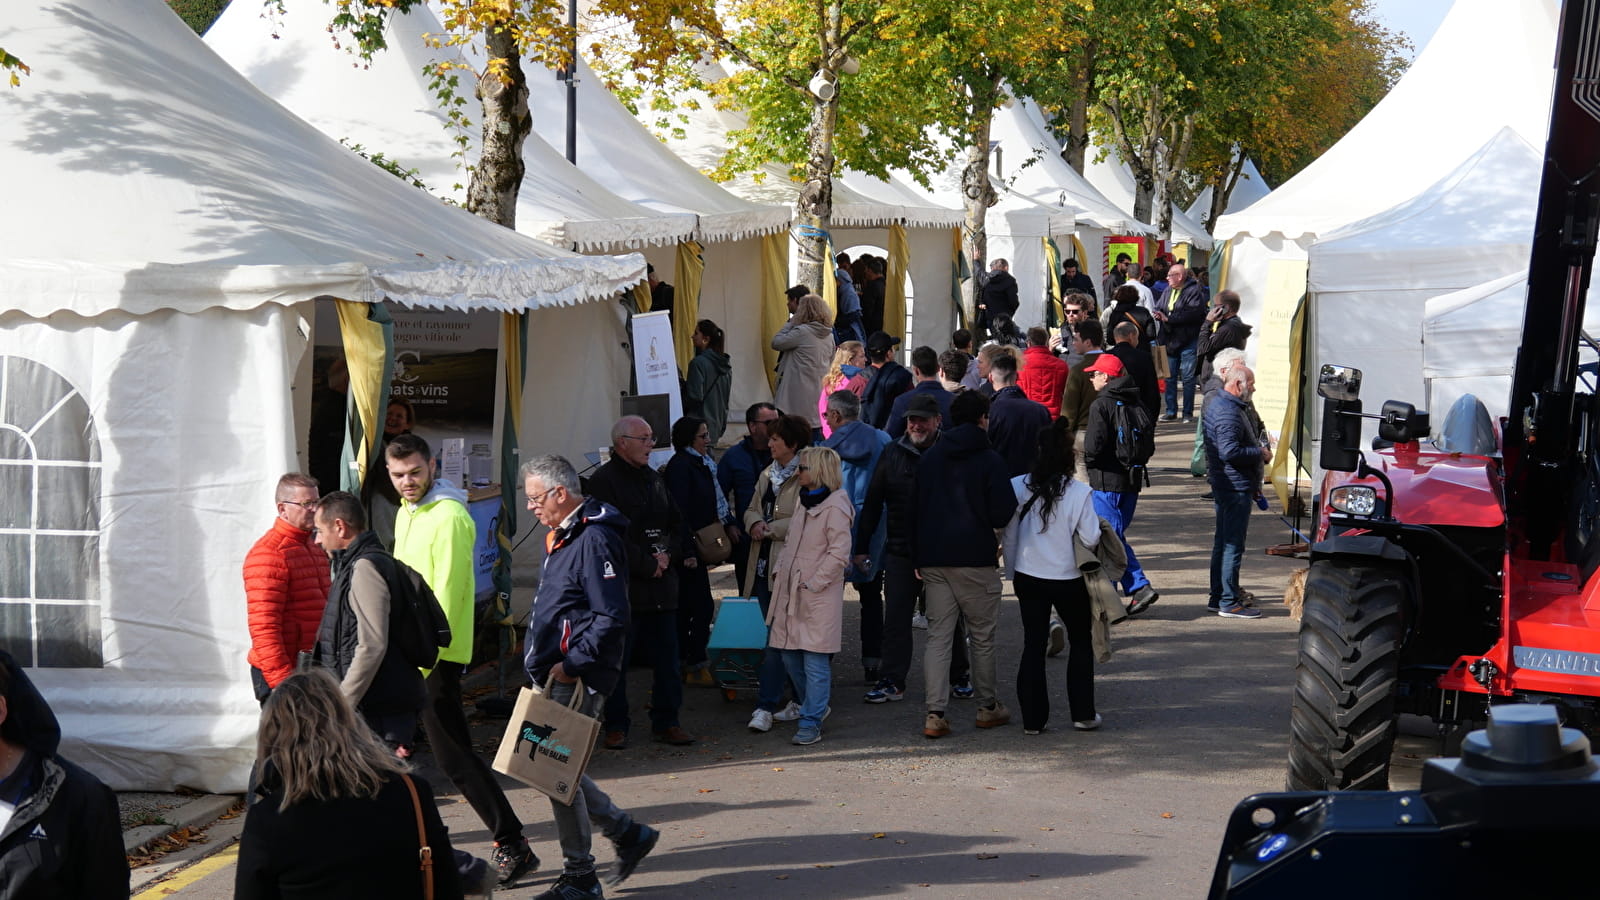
[712, 545]
[424, 852]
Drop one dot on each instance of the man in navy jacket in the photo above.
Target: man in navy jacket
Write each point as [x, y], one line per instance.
[575, 641]
[1234, 460]
[962, 496]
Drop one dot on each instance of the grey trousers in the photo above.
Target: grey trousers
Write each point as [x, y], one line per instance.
[973, 594]
[590, 805]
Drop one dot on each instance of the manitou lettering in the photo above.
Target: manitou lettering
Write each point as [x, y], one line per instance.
[1567, 662]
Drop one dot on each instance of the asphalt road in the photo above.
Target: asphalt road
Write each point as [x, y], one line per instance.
[1196, 713]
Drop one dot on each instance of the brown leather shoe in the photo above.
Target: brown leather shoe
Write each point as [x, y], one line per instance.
[675, 736]
[616, 740]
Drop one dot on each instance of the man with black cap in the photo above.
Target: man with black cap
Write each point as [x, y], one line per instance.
[1115, 484]
[887, 382]
[890, 493]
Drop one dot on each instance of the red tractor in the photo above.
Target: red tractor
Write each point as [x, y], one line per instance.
[1454, 574]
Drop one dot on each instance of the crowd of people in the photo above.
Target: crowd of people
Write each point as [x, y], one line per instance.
[1010, 454]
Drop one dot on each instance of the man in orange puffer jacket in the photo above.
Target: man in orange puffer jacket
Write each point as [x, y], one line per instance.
[285, 585]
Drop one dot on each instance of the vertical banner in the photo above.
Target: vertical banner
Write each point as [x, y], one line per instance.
[1286, 284]
[655, 368]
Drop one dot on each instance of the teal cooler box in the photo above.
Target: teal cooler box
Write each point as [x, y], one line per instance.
[738, 638]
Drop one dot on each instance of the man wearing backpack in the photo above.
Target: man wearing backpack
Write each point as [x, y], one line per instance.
[434, 534]
[354, 637]
[1117, 445]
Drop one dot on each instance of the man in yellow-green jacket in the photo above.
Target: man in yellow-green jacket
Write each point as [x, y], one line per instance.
[434, 534]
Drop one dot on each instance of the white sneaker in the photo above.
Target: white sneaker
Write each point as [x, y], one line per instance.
[1058, 637]
[919, 621]
[761, 721]
[790, 713]
[1087, 724]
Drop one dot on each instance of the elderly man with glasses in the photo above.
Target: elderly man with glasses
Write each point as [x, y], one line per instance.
[656, 538]
[285, 585]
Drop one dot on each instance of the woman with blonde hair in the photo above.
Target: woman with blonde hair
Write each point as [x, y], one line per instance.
[804, 345]
[338, 812]
[806, 619]
[848, 373]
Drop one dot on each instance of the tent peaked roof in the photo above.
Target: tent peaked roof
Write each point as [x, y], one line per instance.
[1250, 188]
[858, 200]
[143, 173]
[1113, 179]
[1033, 167]
[388, 107]
[619, 151]
[1485, 207]
[1490, 65]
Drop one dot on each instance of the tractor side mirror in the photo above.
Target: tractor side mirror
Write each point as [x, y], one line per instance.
[1402, 423]
[1341, 383]
[1341, 435]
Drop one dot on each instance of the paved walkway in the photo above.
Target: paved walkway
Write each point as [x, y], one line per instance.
[1196, 714]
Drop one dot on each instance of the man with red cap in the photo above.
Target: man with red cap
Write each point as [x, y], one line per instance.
[1115, 478]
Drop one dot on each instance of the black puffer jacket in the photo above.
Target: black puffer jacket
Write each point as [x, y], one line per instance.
[1231, 332]
[893, 484]
[65, 838]
[1106, 472]
[640, 494]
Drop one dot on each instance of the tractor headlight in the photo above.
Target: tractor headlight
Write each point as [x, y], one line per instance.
[1354, 499]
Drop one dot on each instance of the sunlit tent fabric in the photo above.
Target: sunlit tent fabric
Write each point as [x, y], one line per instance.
[1029, 162]
[1111, 176]
[1017, 230]
[1370, 281]
[1250, 188]
[1488, 66]
[617, 150]
[167, 227]
[387, 107]
[864, 209]
[1470, 340]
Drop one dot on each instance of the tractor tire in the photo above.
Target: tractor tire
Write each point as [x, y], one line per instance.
[1342, 726]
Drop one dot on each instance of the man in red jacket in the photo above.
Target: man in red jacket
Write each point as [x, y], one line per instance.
[285, 585]
[1043, 376]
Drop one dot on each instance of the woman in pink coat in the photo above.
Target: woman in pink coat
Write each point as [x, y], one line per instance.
[806, 618]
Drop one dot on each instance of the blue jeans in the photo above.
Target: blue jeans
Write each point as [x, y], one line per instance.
[659, 633]
[1227, 548]
[812, 674]
[1182, 362]
[590, 805]
[772, 677]
[1117, 508]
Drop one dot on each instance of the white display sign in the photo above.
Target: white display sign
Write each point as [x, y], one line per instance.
[655, 366]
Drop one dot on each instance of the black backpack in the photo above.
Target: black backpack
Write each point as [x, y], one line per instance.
[418, 627]
[1135, 439]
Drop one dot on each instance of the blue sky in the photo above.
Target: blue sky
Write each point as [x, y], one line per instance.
[1418, 19]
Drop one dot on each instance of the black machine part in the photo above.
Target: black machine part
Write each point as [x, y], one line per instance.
[1517, 811]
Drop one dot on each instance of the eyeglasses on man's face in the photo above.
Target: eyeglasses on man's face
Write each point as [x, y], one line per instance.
[303, 504]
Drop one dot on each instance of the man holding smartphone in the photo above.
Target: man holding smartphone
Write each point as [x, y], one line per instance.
[1222, 329]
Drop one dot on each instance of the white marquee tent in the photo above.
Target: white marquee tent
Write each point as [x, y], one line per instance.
[864, 209]
[1017, 230]
[1370, 281]
[1112, 177]
[1488, 66]
[167, 229]
[1250, 188]
[1470, 340]
[616, 149]
[387, 107]
[1031, 166]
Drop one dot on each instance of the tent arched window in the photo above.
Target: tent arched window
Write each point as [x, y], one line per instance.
[49, 519]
